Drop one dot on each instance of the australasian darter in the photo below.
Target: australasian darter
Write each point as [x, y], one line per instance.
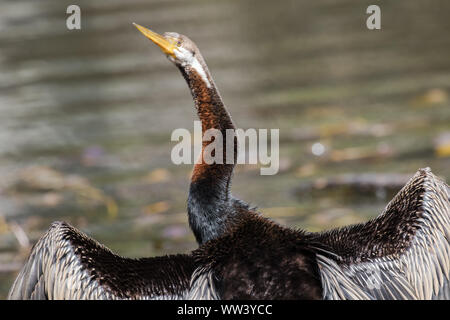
[404, 253]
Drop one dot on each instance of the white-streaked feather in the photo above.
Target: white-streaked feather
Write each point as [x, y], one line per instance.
[53, 271]
[420, 272]
[203, 286]
[189, 59]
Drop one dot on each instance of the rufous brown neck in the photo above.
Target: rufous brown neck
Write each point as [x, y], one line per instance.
[209, 192]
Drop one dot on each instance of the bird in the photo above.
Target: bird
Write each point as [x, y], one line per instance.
[404, 253]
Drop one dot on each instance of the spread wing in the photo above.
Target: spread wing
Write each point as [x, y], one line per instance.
[402, 254]
[66, 264]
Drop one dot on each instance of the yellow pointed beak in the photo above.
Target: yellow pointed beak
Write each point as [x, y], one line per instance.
[166, 46]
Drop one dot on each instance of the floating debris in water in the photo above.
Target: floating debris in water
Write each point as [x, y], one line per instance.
[306, 170]
[20, 235]
[361, 153]
[432, 97]
[177, 231]
[157, 176]
[442, 144]
[92, 155]
[157, 207]
[355, 186]
[52, 182]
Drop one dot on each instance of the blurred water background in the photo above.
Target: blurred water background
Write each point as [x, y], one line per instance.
[86, 116]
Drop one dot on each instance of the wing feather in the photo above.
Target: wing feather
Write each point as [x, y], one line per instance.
[66, 264]
[402, 254]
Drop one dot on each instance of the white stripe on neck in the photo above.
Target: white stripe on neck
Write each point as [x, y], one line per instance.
[199, 68]
[188, 59]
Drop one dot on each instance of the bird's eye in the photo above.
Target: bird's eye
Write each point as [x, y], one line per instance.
[179, 43]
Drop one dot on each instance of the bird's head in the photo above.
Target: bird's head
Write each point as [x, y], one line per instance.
[181, 50]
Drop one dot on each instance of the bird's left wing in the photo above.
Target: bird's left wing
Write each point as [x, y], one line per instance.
[402, 254]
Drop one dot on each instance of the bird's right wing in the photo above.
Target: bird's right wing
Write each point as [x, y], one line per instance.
[66, 264]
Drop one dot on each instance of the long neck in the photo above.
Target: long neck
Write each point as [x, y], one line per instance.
[209, 192]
